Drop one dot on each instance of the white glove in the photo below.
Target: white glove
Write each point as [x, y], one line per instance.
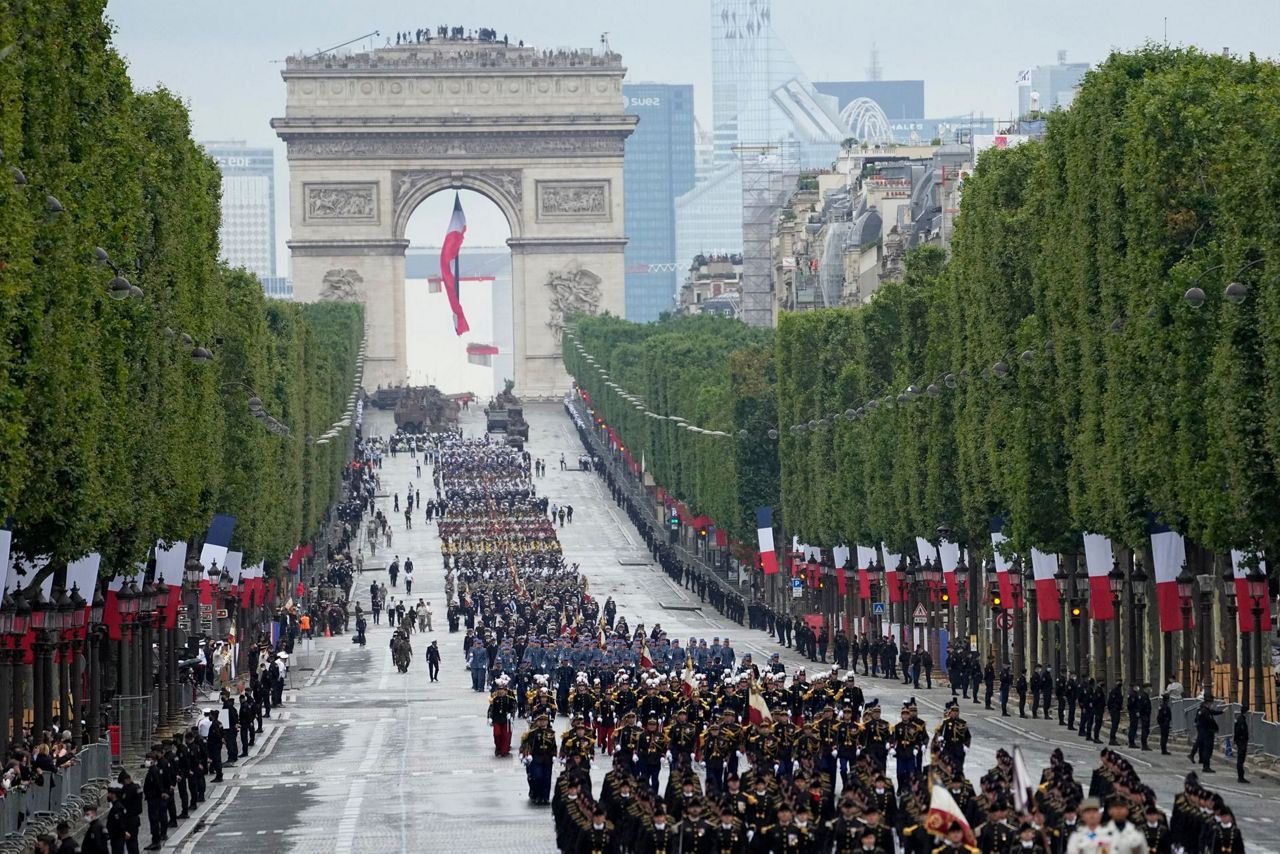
[525, 760]
[635, 757]
[834, 752]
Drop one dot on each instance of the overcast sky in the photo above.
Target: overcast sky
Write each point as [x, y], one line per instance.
[223, 57]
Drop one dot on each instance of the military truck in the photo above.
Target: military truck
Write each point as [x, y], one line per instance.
[425, 409]
[505, 414]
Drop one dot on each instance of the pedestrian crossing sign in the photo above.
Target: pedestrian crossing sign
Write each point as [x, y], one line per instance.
[877, 607]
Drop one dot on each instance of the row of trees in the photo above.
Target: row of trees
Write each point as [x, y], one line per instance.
[1067, 375]
[1078, 364]
[714, 373]
[111, 435]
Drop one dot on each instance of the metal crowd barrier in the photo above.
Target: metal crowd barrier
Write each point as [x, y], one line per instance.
[137, 723]
[36, 809]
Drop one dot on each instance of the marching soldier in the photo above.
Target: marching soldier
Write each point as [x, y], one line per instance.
[502, 708]
[538, 751]
[953, 738]
[909, 741]
[875, 737]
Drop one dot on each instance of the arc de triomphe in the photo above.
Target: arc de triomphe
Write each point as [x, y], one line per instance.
[371, 135]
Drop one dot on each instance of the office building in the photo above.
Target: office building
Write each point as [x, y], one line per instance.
[1046, 88]
[658, 168]
[248, 233]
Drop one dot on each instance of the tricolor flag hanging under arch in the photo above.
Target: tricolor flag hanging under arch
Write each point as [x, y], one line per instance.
[449, 265]
[764, 537]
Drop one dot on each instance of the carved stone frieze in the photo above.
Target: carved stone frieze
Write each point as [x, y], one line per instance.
[573, 200]
[342, 286]
[574, 290]
[517, 145]
[344, 202]
[406, 183]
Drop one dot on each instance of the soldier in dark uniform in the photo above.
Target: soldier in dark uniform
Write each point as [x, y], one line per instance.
[650, 747]
[538, 751]
[153, 791]
[909, 741]
[598, 838]
[1020, 687]
[659, 836]
[1225, 837]
[1037, 683]
[728, 836]
[844, 832]
[953, 737]
[875, 737]
[693, 831]
[1156, 831]
[1144, 716]
[997, 834]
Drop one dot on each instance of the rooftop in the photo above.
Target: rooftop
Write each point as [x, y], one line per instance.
[456, 53]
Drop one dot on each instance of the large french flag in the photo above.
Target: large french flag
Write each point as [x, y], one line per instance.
[1240, 570]
[764, 535]
[1098, 559]
[1168, 552]
[216, 544]
[1002, 564]
[1043, 568]
[170, 562]
[891, 562]
[449, 253]
[866, 557]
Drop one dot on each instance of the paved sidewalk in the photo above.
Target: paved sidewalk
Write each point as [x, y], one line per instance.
[367, 759]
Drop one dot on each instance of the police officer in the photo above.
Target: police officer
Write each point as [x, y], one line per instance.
[1241, 735]
[1164, 719]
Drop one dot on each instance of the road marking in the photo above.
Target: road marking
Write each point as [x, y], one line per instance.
[228, 795]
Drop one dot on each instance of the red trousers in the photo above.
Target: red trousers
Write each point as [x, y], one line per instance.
[604, 738]
[502, 738]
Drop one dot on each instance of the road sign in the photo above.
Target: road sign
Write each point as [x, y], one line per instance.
[877, 607]
[797, 588]
[920, 613]
[1004, 620]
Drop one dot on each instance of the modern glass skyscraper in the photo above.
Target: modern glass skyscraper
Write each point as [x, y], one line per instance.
[248, 233]
[764, 112]
[658, 167]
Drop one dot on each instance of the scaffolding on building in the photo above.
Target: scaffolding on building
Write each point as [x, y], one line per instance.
[769, 174]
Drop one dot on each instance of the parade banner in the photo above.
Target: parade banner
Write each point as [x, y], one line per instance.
[840, 557]
[1044, 567]
[1240, 571]
[943, 813]
[1168, 552]
[757, 709]
[1098, 559]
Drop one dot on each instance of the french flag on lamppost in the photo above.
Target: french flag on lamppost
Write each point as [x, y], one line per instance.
[170, 563]
[764, 537]
[1240, 568]
[1044, 567]
[950, 556]
[839, 557]
[891, 562]
[1168, 553]
[1002, 565]
[216, 544]
[1098, 559]
[866, 557]
[449, 253]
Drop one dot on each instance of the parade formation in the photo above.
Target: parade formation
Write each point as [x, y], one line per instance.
[642, 742]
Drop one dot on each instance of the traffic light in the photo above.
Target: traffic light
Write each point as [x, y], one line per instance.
[995, 601]
[1075, 613]
[702, 532]
[946, 597]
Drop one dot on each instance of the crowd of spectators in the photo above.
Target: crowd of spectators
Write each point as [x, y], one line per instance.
[447, 33]
[31, 761]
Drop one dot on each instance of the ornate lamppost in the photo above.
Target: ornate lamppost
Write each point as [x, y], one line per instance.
[1115, 581]
[41, 692]
[1232, 640]
[19, 625]
[966, 615]
[61, 651]
[1205, 588]
[76, 665]
[906, 583]
[1186, 589]
[95, 638]
[128, 672]
[1060, 581]
[931, 574]
[1258, 594]
[1137, 625]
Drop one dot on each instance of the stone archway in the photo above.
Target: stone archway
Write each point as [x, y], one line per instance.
[370, 136]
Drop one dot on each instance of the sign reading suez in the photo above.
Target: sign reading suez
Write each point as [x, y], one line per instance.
[644, 102]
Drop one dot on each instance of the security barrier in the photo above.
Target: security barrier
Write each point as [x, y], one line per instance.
[61, 796]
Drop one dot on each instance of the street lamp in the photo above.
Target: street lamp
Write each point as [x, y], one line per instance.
[1115, 580]
[1186, 588]
[962, 584]
[1258, 595]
